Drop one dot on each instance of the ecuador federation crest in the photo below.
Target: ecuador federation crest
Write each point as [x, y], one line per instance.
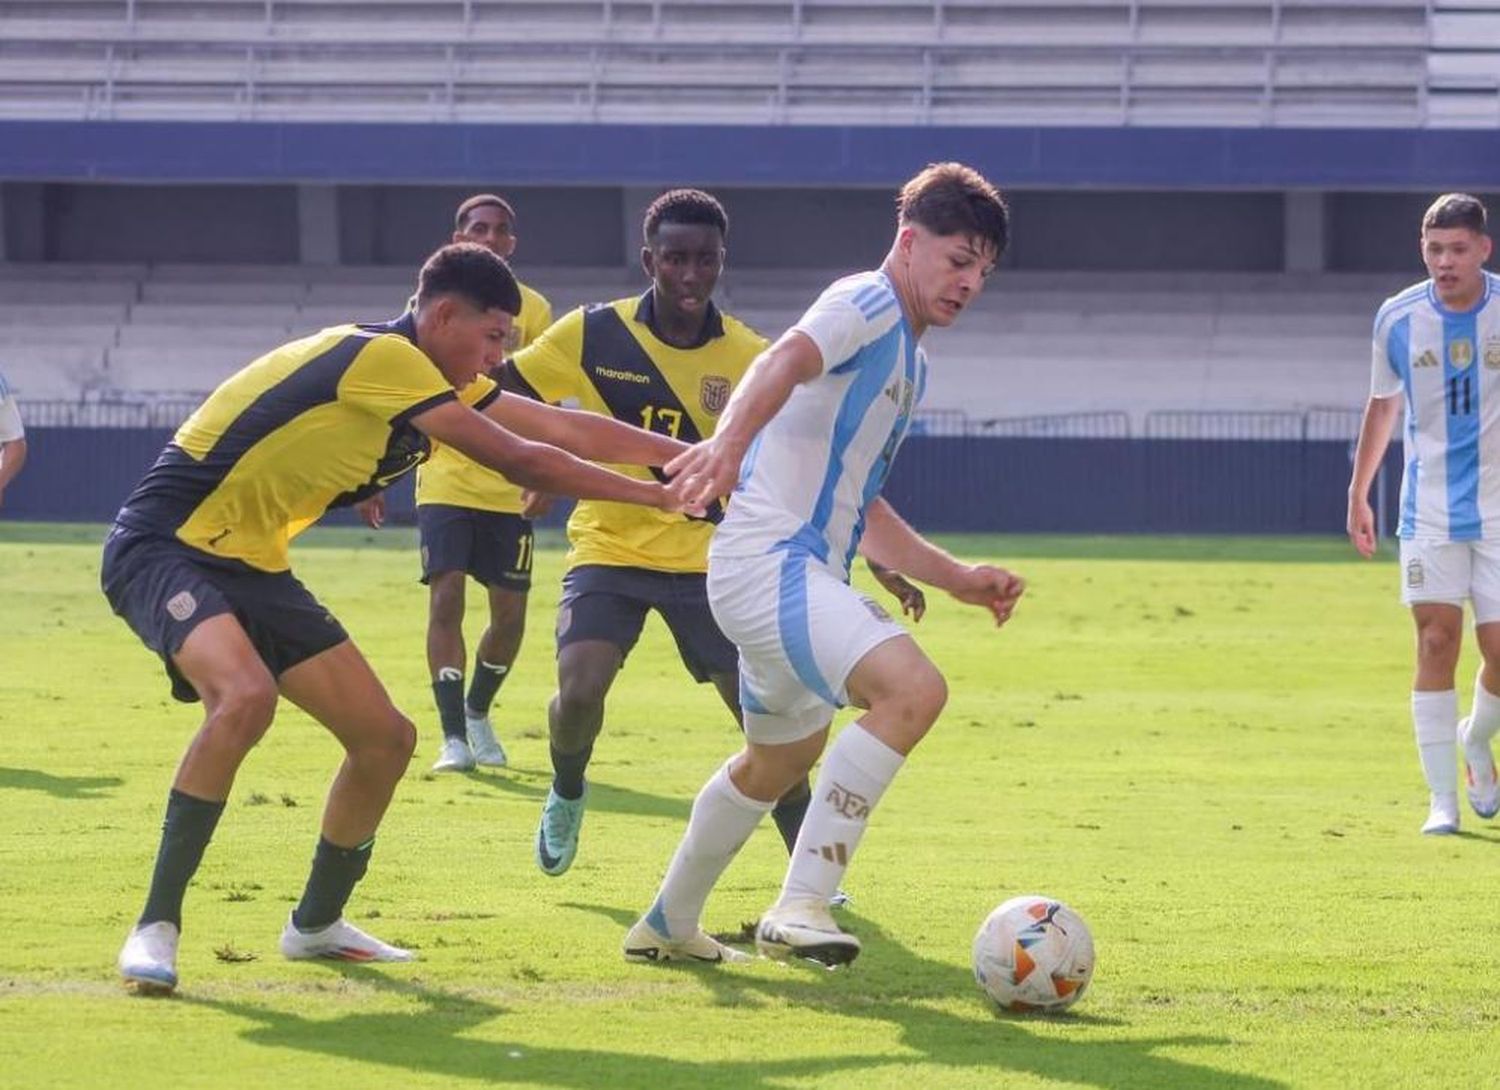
[713, 394]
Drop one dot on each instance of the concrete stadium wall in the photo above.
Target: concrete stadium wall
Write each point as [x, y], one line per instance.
[770, 227]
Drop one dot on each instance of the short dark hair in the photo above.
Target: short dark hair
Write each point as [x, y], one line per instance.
[473, 273]
[1456, 210]
[691, 206]
[954, 199]
[481, 200]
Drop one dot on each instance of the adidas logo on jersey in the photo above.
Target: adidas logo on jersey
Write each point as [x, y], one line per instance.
[1426, 359]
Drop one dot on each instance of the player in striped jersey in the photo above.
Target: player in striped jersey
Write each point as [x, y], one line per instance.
[1437, 352]
[809, 438]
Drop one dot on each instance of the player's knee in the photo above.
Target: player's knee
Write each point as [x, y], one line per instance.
[580, 699]
[1437, 643]
[446, 599]
[918, 701]
[389, 741]
[242, 712]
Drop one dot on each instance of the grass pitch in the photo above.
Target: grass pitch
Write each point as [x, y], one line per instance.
[1203, 746]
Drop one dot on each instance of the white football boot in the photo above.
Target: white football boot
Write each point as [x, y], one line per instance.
[1442, 816]
[339, 941]
[148, 960]
[1480, 780]
[644, 943]
[485, 746]
[455, 756]
[804, 929]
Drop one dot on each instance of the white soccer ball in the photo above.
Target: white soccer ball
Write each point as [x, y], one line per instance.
[1034, 954]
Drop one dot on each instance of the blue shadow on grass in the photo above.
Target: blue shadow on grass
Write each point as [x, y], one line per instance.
[891, 985]
[61, 787]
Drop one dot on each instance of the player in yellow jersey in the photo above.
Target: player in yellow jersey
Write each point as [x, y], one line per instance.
[472, 522]
[197, 564]
[664, 362]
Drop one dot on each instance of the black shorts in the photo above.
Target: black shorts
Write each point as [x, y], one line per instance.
[165, 589]
[600, 602]
[493, 547]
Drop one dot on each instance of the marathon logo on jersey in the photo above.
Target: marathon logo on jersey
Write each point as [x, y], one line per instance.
[713, 393]
[847, 803]
[1427, 359]
[1461, 353]
[182, 605]
[621, 375]
[1415, 577]
[1492, 354]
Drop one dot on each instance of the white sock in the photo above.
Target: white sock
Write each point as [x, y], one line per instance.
[1435, 717]
[856, 770]
[722, 820]
[1485, 717]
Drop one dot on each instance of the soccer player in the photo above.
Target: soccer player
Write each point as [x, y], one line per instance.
[806, 443]
[197, 564]
[12, 439]
[664, 362]
[1437, 348]
[472, 521]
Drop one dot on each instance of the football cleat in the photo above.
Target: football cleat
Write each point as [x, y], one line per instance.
[1480, 780]
[339, 941]
[840, 899]
[804, 929]
[643, 943]
[1442, 817]
[557, 832]
[148, 960]
[455, 756]
[483, 744]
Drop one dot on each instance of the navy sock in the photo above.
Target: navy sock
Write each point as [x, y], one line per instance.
[448, 691]
[790, 809]
[568, 769]
[335, 872]
[185, 833]
[488, 676]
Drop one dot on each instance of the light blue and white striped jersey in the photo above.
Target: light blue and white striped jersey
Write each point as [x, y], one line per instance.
[1447, 363]
[813, 471]
[10, 416]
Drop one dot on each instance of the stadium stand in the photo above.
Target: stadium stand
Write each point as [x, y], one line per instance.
[1221, 62]
[1037, 343]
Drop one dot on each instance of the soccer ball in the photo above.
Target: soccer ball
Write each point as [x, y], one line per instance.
[1034, 954]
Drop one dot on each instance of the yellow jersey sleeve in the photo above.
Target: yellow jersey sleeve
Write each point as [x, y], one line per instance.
[551, 364]
[535, 317]
[394, 380]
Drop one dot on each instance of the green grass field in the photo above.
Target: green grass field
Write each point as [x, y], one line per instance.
[1203, 746]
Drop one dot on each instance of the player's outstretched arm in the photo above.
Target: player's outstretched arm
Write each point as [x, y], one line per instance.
[535, 465]
[589, 435]
[711, 469]
[1374, 437]
[891, 542]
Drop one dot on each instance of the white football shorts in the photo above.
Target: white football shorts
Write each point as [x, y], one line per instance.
[1450, 572]
[801, 630]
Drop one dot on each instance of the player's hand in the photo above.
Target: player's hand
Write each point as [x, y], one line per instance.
[705, 472]
[1361, 526]
[913, 601]
[668, 499]
[535, 505]
[372, 511]
[993, 588]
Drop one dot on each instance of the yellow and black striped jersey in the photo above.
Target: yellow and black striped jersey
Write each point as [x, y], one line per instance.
[320, 422]
[609, 359]
[449, 477]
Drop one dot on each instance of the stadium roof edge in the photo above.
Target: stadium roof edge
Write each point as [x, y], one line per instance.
[1159, 158]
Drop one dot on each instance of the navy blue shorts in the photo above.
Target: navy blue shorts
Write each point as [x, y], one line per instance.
[165, 589]
[495, 548]
[600, 602]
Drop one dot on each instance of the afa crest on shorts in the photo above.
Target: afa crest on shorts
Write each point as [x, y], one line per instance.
[713, 393]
